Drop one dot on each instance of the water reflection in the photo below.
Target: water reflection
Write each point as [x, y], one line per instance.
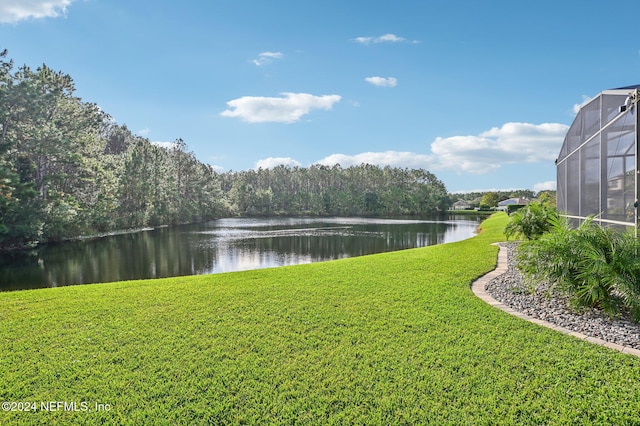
[220, 246]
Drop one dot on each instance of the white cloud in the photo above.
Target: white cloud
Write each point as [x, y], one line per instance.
[387, 158]
[165, 145]
[287, 109]
[12, 11]
[382, 82]
[265, 58]
[214, 159]
[386, 38]
[271, 162]
[510, 144]
[549, 185]
[585, 100]
[494, 189]
[389, 38]
[144, 132]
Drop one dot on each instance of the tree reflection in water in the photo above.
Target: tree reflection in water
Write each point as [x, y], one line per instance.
[222, 245]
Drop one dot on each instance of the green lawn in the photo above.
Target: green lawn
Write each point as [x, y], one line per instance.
[394, 338]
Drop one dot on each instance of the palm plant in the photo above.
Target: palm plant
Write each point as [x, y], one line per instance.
[596, 266]
[530, 222]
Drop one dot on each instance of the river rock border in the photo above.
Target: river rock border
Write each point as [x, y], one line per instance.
[504, 288]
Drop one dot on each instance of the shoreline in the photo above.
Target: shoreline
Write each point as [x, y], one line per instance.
[36, 244]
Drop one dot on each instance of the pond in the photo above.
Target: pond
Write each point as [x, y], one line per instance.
[222, 245]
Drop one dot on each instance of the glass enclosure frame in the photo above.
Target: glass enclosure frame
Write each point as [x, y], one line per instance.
[596, 168]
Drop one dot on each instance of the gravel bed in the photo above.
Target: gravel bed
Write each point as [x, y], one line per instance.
[510, 289]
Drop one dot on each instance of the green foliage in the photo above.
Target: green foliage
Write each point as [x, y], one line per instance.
[321, 190]
[66, 169]
[22, 221]
[489, 200]
[531, 221]
[502, 195]
[62, 220]
[547, 198]
[512, 208]
[389, 339]
[595, 266]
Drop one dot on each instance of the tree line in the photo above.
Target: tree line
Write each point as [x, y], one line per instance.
[490, 199]
[67, 169]
[322, 190]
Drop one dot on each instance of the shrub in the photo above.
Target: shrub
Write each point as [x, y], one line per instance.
[595, 266]
[512, 208]
[530, 222]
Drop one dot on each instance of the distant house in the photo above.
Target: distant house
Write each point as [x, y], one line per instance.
[502, 205]
[461, 205]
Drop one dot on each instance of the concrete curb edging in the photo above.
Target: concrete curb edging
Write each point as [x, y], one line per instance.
[478, 288]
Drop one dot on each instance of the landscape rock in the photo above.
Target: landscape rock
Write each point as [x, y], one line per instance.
[543, 303]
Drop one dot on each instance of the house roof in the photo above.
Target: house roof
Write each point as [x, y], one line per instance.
[636, 86]
[513, 201]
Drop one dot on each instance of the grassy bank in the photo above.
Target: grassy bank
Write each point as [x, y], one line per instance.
[394, 338]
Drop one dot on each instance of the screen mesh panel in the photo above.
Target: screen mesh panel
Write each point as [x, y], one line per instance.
[597, 163]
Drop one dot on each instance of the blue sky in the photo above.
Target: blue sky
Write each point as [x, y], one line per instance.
[479, 93]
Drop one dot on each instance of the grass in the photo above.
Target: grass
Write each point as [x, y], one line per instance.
[394, 338]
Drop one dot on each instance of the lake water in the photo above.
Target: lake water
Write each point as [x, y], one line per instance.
[222, 245]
